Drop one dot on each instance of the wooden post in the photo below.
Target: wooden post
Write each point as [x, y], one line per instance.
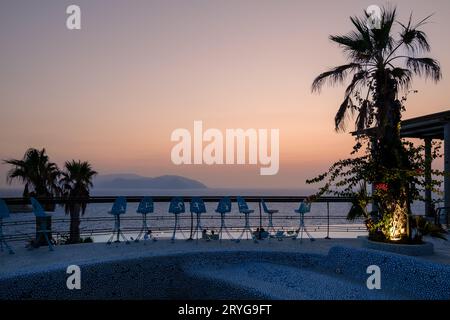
[373, 145]
[428, 178]
[447, 169]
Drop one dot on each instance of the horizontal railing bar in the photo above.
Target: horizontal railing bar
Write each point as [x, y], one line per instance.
[110, 199]
[170, 218]
[168, 230]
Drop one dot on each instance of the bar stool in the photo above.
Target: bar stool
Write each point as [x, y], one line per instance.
[176, 207]
[197, 206]
[270, 228]
[145, 207]
[223, 207]
[304, 208]
[243, 208]
[119, 207]
[41, 216]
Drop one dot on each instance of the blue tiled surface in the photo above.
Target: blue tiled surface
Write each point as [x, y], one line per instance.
[241, 275]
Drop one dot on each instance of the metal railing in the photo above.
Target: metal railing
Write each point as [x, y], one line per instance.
[161, 223]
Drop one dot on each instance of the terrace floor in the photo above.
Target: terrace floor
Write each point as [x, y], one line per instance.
[25, 260]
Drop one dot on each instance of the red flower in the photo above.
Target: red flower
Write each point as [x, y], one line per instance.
[419, 171]
[381, 187]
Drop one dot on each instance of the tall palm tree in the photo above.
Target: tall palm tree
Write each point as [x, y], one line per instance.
[39, 175]
[382, 63]
[75, 183]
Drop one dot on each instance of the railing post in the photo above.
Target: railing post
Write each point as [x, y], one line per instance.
[192, 227]
[328, 221]
[260, 221]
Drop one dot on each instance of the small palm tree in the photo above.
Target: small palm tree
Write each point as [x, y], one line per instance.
[75, 183]
[39, 175]
[382, 64]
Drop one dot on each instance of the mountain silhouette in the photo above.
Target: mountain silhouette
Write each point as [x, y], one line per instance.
[133, 181]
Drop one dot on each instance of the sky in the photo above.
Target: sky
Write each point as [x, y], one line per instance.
[113, 92]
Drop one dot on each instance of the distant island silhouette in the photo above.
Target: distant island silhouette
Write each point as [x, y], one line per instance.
[133, 181]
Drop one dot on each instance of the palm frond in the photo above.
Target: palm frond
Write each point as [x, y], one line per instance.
[341, 115]
[333, 76]
[403, 77]
[415, 40]
[361, 26]
[359, 79]
[363, 119]
[427, 67]
[355, 46]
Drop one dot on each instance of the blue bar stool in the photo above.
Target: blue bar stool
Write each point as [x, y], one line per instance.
[4, 213]
[176, 207]
[304, 208]
[145, 207]
[119, 207]
[270, 228]
[197, 206]
[243, 208]
[223, 207]
[40, 214]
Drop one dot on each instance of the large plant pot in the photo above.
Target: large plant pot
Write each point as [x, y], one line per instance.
[424, 249]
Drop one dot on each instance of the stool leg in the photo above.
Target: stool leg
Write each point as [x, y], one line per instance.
[246, 230]
[143, 228]
[50, 247]
[44, 233]
[3, 242]
[223, 228]
[222, 224]
[198, 227]
[302, 228]
[111, 238]
[175, 228]
[119, 232]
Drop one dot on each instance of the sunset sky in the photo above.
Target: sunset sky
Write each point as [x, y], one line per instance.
[113, 92]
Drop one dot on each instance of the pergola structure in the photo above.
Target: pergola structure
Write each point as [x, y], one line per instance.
[428, 128]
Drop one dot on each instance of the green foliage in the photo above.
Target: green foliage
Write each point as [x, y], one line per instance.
[87, 240]
[360, 202]
[422, 227]
[349, 178]
[65, 240]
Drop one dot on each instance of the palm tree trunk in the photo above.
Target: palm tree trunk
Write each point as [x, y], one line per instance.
[75, 224]
[391, 157]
